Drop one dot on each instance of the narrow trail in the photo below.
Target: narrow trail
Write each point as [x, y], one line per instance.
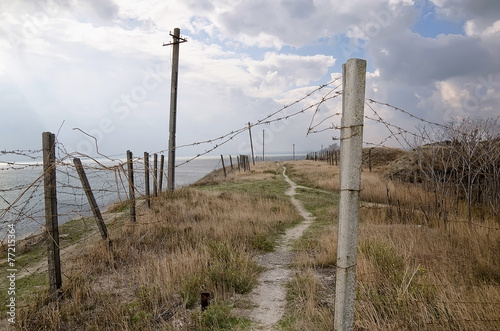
[269, 296]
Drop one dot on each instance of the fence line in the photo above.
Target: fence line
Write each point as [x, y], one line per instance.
[25, 201]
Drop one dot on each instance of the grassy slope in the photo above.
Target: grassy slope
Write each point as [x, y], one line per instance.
[412, 273]
[198, 239]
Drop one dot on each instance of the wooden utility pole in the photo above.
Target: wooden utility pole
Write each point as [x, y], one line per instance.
[177, 40]
[51, 223]
[251, 142]
[90, 197]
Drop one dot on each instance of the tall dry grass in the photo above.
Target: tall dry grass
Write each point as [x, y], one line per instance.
[413, 271]
[190, 241]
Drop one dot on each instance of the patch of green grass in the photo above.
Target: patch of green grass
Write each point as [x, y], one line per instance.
[190, 290]
[70, 233]
[386, 260]
[322, 205]
[230, 268]
[218, 316]
[273, 188]
[262, 243]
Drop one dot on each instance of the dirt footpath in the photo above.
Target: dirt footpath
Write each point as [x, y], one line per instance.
[269, 296]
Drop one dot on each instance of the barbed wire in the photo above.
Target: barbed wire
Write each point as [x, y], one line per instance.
[23, 202]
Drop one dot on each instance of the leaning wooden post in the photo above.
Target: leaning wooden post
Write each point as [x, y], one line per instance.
[90, 197]
[51, 223]
[351, 143]
[146, 179]
[223, 167]
[162, 162]
[231, 161]
[251, 142]
[130, 168]
[155, 175]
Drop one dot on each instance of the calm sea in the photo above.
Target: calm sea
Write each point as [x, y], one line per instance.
[21, 189]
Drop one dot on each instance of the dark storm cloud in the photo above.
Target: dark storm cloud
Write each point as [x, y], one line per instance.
[301, 9]
[416, 60]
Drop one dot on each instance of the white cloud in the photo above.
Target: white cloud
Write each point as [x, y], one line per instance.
[71, 60]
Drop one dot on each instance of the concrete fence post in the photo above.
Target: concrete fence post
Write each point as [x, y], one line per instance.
[351, 145]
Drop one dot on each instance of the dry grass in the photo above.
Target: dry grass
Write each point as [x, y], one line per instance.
[189, 242]
[412, 272]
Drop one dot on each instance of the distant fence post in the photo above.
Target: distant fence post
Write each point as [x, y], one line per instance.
[155, 175]
[130, 168]
[370, 159]
[146, 179]
[223, 167]
[162, 162]
[238, 159]
[351, 143]
[51, 223]
[231, 161]
[90, 197]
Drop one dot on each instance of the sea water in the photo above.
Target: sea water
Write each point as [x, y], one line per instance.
[22, 195]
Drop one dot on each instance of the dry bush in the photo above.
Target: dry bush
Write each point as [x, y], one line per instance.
[412, 273]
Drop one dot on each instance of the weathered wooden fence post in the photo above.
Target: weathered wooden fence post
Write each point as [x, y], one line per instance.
[162, 162]
[51, 222]
[251, 141]
[231, 161]
[223, 167]
[155, 175]
[238, 160]
[351, 143]
[146, 179]
[90, 197]
[131, 187]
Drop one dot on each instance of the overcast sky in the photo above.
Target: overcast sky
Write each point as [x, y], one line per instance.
[99, 65]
